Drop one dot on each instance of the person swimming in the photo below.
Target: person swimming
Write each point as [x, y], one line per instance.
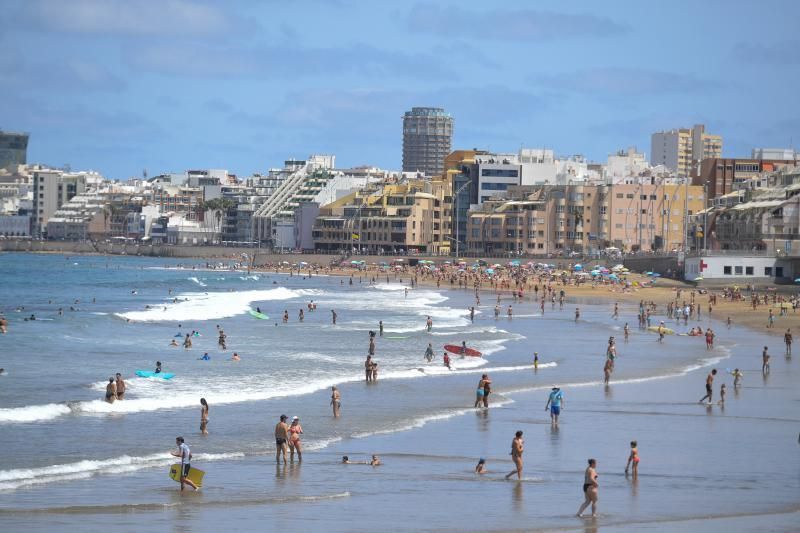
[205, 357]
[158, 367]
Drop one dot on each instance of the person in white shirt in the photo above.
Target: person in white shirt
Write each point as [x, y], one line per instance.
[185, 454]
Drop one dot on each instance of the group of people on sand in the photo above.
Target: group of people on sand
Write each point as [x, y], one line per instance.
[115, 389]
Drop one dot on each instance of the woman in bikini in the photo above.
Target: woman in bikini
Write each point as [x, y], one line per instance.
[590, 488]
[203, 416]
[516, 455]
[294, 439]
[633, 459]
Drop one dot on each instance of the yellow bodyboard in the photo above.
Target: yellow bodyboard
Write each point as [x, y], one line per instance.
[195, 475]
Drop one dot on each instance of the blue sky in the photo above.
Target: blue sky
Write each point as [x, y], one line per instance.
[121, 86]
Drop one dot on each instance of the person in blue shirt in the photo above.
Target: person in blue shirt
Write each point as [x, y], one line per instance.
[554, 403]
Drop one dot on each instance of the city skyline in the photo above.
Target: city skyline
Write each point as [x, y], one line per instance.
[172, 85]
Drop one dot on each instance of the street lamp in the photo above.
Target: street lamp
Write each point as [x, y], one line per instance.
[455, 211]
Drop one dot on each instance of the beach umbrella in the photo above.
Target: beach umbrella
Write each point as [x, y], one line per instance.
[490, 271]
[303, 263]
[515, 262]
[578, 267]
[797, 280]
[654, 274]
[613, 276]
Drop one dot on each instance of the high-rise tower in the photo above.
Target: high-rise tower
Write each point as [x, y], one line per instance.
[427, 137]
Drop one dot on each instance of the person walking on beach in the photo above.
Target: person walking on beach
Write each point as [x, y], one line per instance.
[281, 439]
[771, 319]
[590, 487]
[633, 460]
[661, 332]
[709, 339]
[709, 386]
[764, 361]
[185, 454]
[295, 430]
[336, 402]
[203, 416]
[554, 402]
[787, 339]
[120, 387]
[517, 447]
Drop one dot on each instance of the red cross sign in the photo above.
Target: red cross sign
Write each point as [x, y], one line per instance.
[703, 265]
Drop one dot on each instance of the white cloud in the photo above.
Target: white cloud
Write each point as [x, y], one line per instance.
[131, 17]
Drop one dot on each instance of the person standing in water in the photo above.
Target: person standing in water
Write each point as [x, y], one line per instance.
[446, 359]
[554, 402]
[633, 460]
[626, 331]
[120, 387]
[295, 430]
[203, 416]
[577, 314]
[333, 317]
[368, 368]
[185, 454]
[517, 448]
[380, 328]
[590, 488]
[281, 439]
[187, 343]
[111, 391]
[764, 361]
[787, 339]
[429, 324]
[429, 353]
[536, 360]
[336, 402]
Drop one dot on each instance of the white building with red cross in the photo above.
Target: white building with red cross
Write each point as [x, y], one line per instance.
[741, 268]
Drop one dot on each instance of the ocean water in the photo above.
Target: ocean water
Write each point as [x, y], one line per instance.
[64, 447]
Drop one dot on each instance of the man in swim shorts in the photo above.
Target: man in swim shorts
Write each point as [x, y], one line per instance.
[185, 454]
[554, 402]
[281, 439]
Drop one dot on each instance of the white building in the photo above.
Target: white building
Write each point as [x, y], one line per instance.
[625, 164]
[775, 154]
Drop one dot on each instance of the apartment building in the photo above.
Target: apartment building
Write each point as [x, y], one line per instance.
[681, 150]
[401, 217]
[51, 189]
[721, 176]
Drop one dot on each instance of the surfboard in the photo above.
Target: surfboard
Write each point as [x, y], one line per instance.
[456, 349]
[256, 314]
[667, 331]
[195, 475]
[149, 374]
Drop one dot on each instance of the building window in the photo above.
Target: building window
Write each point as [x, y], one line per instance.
[619, 195]
[768, 271]
[778, 272]
[748, 271]
[726, 270]
[737, 270]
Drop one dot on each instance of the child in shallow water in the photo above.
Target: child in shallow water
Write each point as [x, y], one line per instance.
[633, 459]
